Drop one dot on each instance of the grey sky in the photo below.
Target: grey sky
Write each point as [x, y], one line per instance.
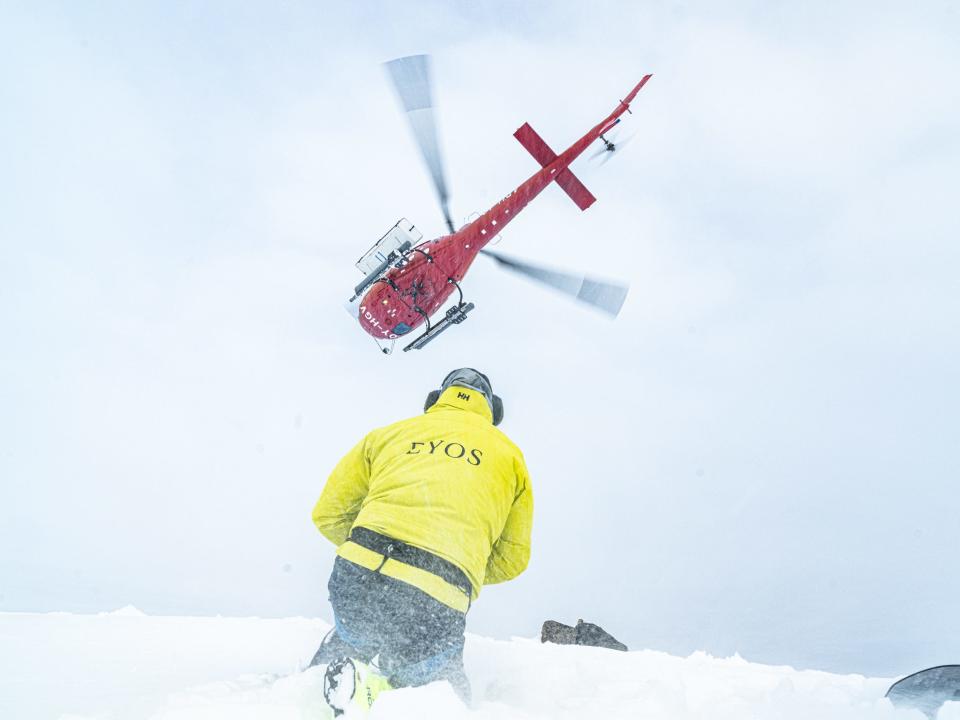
[759, 455]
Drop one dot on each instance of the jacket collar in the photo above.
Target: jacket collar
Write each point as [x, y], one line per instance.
[460, 398]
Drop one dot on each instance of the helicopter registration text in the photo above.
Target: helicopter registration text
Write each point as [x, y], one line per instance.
[373, 322]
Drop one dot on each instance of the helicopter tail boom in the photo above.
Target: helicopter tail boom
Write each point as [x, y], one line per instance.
[536, 146]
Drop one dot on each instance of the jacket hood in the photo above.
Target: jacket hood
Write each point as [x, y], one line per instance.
[463, 398]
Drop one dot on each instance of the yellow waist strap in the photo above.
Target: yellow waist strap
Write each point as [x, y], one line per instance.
[433, 585]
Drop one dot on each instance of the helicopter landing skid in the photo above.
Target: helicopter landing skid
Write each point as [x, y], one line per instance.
[454, 316]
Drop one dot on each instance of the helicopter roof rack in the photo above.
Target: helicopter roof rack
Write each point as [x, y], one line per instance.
[402, 232]
[388, 250]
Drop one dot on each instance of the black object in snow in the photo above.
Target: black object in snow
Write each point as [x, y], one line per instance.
[583, 633]
[928, 689]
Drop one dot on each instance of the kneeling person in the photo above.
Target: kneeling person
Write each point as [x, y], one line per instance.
[423, 512]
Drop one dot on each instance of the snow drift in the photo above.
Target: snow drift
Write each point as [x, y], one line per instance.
[127, 665]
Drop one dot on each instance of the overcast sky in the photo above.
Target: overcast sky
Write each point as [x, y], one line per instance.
[759, 456]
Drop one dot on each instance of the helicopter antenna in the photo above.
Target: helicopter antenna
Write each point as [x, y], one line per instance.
[411, 80]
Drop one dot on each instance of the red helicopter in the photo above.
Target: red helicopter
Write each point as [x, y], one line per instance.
[407, 280]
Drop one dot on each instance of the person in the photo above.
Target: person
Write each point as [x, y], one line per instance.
[423, 512]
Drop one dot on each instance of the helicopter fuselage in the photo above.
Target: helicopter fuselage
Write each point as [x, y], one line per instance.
[407, 295]
[412, 291]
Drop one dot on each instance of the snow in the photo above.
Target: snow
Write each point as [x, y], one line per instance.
[128, 665]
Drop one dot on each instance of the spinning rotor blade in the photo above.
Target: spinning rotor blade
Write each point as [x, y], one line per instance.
[620, 145]
[411, 80]
[594, 155]
[604, 296]
[618, 141]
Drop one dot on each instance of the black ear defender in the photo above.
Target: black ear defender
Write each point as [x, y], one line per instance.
[497, 408]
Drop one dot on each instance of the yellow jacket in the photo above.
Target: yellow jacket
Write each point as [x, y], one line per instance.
[447, 482]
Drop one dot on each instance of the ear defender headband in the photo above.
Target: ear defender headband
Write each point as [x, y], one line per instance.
[475, 380]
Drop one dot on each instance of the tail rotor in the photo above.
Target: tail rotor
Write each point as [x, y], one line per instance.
[613, 141]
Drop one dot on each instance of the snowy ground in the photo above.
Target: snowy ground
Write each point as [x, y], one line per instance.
[126, 665]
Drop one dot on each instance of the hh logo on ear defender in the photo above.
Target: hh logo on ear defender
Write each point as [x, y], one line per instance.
[463, 396]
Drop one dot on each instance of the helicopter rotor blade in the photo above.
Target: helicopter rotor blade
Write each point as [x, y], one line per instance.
[616, 137]
[411, 80]
[594, 155]
[605, 296]
[606, 158]
[620, 145]
[627, 140]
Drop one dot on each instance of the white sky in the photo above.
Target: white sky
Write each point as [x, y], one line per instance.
[759, 455]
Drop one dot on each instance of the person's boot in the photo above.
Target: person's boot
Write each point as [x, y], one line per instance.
[349, 683]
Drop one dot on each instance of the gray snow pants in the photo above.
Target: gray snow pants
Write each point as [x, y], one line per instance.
[418, 639]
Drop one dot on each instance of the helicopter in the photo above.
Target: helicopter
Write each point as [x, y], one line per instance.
[407, 280]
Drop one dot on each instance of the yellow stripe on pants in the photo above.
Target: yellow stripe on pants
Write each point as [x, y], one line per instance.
[433, 585]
